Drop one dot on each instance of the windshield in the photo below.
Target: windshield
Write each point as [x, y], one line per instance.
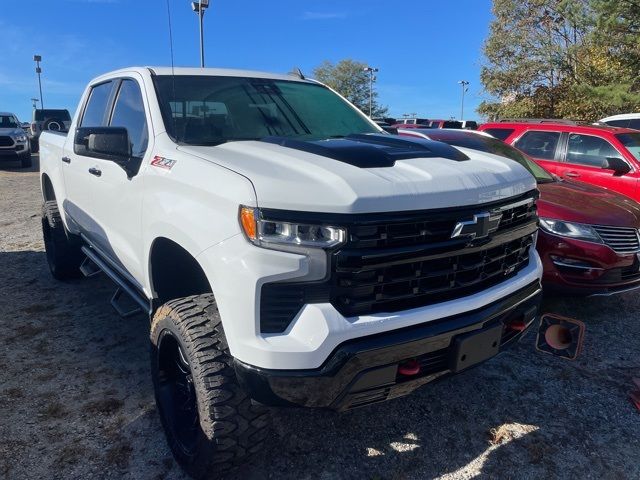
[210, 110]
[497, 147]
[631, 141]
[48, 114]
[8, 121]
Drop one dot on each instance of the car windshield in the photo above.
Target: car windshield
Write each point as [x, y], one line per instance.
[210, 110]
[48, 114]
[8, 121]
[482, 143]
[631, 141]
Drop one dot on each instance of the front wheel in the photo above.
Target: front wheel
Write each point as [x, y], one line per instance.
[63, 250]
[210, 423]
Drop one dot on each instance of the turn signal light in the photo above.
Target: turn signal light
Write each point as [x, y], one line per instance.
[248, 222]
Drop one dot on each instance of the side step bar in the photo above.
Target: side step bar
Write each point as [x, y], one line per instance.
[123, 285]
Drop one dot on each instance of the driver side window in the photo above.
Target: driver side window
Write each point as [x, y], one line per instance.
[589, 150]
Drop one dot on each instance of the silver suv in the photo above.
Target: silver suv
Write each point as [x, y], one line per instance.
[14, 142]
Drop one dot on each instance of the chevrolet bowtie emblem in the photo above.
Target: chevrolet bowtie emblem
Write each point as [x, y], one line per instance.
[481, 226]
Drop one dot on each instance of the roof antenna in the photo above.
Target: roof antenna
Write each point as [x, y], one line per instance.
[173, 74]
[298, 73]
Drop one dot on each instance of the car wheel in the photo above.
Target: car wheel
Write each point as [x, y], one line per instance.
[210, 424]
[62, 249]
[53, 124]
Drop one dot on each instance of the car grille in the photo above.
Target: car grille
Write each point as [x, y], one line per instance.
[394, 262]
[6, 142]
[620, 239]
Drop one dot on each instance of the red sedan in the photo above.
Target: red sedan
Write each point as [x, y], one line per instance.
[589, 238]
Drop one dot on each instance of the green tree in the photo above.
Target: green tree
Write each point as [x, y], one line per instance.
[349, 79]
[562, 58]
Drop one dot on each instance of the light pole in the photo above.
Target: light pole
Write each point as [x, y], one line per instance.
[38, 59]
[464, 85]
[199, 7]
[371, 71]
[34, 101]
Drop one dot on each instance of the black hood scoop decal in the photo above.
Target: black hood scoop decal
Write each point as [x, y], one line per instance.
[372, 151]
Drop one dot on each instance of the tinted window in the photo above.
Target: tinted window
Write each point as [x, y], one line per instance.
[8, 121]
[45, 114]
[618, 123]
[631, 141]
[94, 112]
[500, 133]
[539, 144]
[128, 112]
[635, 123]
[243, 108]
[472, 125]
[589, 150]
[451, 124]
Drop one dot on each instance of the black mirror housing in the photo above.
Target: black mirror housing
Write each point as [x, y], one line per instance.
[107, 143]
[618, 165]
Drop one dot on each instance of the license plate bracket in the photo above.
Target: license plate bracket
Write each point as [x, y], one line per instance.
[471, 348]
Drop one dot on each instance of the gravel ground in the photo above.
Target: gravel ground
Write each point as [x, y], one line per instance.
[76, 398]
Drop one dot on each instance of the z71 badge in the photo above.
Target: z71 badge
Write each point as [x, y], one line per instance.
[162, 162]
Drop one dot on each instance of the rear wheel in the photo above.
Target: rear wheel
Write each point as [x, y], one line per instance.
[63, 250]
[210, 423]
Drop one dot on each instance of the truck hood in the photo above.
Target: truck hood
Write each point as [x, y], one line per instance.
[14, 132]
[583, 203]
[287, 176]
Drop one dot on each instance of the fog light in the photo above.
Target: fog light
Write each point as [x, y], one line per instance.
[573, 263]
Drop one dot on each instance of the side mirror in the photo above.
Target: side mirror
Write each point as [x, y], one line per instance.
[618, 165]
[107, 143]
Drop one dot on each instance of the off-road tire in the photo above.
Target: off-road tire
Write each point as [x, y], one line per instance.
[228, 429]
[63, 250]
[25, 161]
[53, 121]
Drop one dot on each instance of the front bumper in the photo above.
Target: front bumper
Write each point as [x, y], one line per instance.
[15, 152]
[366, 370]
[602, 271]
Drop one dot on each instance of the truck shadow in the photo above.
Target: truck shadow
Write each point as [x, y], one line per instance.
[80, 375]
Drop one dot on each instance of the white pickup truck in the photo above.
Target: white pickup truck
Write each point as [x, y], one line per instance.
[286, 249]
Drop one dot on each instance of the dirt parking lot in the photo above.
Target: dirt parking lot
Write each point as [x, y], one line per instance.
[76, 398]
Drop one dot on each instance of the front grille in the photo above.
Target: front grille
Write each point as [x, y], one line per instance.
[6, 142]
[394, 262]
[620, 239]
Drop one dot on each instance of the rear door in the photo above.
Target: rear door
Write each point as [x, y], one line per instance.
[544, 146]
[583, 158]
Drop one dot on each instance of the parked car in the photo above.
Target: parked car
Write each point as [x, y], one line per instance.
[14, 142]
[411, 121]
[589, 239]
[445, 124]
[56, 120]
[625, 120]
[469, 124]
[600, 155]
[286, 250]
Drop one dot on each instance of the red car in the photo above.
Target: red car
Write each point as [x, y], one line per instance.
[600, 155]
[589, 237]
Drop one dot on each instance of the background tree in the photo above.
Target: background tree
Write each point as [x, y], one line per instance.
[348, 78]
[562, 58]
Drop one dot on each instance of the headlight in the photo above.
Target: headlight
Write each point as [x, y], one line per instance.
[20, 138]
[579, 231]
[274, 233]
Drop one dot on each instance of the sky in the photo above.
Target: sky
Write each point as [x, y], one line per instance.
[422, 48]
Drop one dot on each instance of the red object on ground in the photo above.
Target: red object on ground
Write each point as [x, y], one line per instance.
[409, 368]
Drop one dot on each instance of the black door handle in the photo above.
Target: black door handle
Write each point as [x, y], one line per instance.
[66, 159]
[95, 171]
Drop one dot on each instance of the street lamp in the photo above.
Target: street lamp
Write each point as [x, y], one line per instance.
[34, 101]
[38, 59]
[371, 71]
[199, 7]
[464, 85]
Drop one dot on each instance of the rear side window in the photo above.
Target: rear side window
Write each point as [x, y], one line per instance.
[589, 150]
[539, 144]
[500, 133]
[635, 124]
[451, 124]
[618, 123]
[96, 109]
[46, 114]
[128, 112]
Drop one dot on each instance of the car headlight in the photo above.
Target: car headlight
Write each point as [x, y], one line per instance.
[20, 138]
[280, 235]
[579, 231]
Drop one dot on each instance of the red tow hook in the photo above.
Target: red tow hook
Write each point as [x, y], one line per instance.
[409, 368]
[517, 326]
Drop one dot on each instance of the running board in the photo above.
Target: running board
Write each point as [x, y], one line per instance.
[88, 268]
[143, 304]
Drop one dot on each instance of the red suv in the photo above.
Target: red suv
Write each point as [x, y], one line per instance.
[589, 240]
[605, 156]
